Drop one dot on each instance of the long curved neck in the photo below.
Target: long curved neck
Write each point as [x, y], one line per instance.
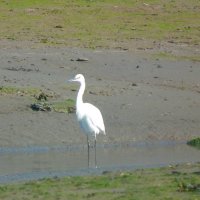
[79, 99]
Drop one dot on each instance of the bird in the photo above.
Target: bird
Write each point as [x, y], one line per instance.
[89, 116]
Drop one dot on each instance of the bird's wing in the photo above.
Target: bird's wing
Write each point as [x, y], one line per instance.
[94, 116]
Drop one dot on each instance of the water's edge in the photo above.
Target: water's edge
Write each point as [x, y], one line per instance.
[21, 164]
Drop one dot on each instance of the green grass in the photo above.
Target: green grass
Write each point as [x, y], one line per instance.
[67, 106]
[174, 183]
[102, 23]
[194, 142]
[10, 90]
[40, 98]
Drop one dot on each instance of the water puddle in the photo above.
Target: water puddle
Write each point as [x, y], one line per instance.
[31, 163]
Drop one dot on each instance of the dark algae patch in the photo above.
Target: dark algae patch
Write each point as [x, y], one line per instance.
[194, 142]
[42, 104]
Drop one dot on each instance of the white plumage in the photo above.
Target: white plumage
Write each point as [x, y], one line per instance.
[90, 119]
[88, 116]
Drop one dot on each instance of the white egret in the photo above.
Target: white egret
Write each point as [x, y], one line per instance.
[88, 116]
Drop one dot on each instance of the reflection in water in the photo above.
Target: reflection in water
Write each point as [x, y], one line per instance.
[30, 163]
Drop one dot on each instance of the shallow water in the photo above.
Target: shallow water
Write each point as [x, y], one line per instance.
[31, 163]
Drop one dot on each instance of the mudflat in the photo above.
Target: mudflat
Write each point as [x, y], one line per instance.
[143, 98]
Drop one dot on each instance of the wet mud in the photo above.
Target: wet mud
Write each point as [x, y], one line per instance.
[143, 100]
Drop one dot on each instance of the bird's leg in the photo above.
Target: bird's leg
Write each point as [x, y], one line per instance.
[95, 152]
[88, 145]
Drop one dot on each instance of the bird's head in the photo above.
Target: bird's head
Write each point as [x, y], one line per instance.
[78, 78]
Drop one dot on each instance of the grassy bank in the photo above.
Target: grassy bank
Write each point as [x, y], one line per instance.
[105, 24]
[181, 182]
[10, 90]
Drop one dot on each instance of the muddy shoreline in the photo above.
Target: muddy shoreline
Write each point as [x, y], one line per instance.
[60, 161]
[141, 98]
[144, 100]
